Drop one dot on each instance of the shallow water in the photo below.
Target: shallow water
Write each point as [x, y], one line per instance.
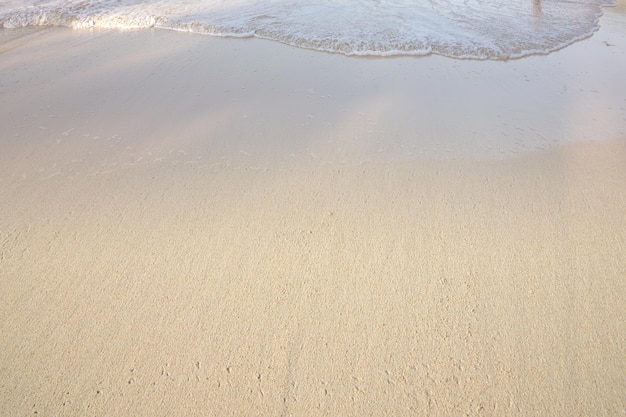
[477, 29]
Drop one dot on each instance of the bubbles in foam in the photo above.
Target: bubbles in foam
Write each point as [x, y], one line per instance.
[480, 29]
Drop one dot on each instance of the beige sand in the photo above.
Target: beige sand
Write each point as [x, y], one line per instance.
[196, 226]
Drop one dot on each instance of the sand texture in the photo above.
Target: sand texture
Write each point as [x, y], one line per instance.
[213, 227]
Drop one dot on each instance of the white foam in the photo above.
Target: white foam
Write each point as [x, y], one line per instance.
[477, 29]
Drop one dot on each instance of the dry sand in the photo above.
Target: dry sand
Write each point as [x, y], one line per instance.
[197, 226]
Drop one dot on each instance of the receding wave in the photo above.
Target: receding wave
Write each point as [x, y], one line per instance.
[476, 29]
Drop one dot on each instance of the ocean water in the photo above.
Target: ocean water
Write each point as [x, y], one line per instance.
[477, 29]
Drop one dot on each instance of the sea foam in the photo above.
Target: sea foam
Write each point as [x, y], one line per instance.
[475, 29]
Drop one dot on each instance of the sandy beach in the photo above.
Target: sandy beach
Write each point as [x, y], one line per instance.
[213, 227]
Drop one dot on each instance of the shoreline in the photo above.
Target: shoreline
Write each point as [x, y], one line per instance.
[365, 109]
[194, 226]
